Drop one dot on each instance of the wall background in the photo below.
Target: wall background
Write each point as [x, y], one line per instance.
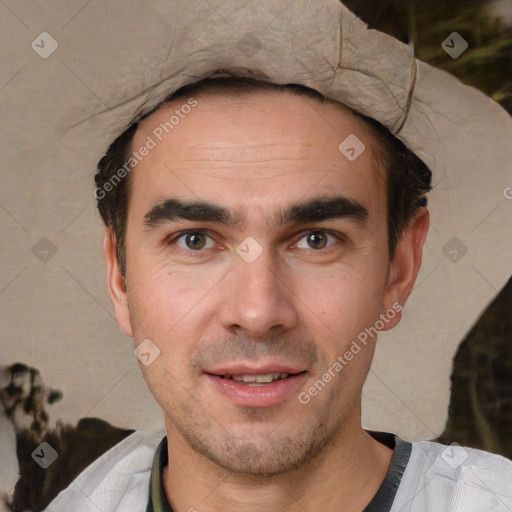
[54, 308]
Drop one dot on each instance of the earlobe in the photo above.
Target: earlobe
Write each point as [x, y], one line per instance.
[116, 284]
[406, 264]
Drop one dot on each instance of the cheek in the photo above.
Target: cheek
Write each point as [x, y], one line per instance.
[345, 300]
[169, 306]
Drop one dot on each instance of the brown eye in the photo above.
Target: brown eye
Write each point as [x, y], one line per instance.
[193, 241]
[317, 239]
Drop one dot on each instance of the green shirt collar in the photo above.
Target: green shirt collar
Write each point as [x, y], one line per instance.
[157, 501]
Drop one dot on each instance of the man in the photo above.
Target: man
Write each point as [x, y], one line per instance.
[258, 236]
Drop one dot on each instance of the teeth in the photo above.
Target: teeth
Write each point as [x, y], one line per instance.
[258, 379]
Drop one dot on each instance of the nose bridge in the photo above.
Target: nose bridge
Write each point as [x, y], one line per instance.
[260, 277]
[258, 297]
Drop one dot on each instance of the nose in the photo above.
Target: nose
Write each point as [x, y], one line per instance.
[257, 299]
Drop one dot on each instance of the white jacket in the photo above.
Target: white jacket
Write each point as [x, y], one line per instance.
[437, 478]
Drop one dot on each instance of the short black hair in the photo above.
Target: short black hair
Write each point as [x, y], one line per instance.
[408, 177]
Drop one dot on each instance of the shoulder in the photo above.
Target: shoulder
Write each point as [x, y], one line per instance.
[455, 478]
[118, 480]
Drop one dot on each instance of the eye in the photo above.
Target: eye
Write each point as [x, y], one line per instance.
[316, 240]
[193, 241]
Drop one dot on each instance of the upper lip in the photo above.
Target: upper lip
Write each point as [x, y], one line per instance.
[245, 369]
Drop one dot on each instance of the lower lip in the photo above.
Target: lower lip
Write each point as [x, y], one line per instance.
[258, 396]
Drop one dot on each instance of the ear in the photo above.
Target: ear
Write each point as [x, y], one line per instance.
[116, 284]
[405, 265]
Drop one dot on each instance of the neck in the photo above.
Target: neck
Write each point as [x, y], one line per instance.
[343, 477]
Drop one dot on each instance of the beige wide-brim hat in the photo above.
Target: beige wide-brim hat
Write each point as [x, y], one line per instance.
[87, 73]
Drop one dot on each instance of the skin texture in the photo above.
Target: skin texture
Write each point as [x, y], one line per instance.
[255, 155]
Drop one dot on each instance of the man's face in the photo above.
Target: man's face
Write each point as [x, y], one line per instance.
[290, 299]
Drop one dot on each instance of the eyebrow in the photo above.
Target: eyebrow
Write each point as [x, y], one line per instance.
[314, 210]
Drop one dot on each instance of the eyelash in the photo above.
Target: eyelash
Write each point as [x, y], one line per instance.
[171, 241]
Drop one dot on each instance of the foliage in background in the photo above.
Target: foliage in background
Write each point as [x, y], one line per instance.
[486, 64]
[480, 411]
[23, 401]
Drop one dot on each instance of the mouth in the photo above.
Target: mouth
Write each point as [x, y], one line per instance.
[249, 387]
[258, 379]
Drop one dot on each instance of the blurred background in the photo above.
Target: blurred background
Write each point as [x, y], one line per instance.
[68, 376]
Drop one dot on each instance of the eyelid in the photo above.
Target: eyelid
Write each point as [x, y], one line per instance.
[298, 236]
[171, 240]
[336, 234]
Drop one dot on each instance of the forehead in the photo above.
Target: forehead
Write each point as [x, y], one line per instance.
[258, 148]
